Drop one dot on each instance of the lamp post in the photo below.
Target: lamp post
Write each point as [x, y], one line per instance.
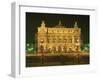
[78, 58]
[42, 54]
[42, 57]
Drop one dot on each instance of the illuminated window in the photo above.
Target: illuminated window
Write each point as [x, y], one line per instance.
[77, 30]
[70, 40]
[42, 41]
[76, 39]
[65, 40]
[54, 40]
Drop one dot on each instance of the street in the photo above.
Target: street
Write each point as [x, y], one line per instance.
[34, 60]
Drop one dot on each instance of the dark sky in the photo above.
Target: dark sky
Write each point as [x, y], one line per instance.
[33, 20]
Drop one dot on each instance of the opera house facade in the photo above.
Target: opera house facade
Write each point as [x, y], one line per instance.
[58, 39]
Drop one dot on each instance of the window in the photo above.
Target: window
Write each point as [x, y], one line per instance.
[42, 41]
[69, 39]
[76, 39]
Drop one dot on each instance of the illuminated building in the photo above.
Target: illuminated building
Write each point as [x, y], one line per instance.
[58, 39]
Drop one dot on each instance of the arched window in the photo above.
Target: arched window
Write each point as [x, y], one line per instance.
[41, 48]
[54, 49]
[69, 39]
[76, 39]
[65, 49]
[42, 41]
[59, 48]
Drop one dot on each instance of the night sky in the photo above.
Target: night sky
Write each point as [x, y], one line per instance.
[33, 20]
